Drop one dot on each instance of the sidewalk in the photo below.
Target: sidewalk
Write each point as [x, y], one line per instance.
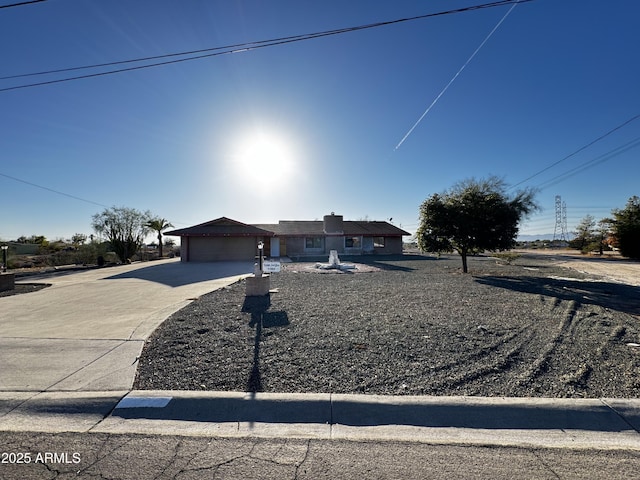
[527, 422]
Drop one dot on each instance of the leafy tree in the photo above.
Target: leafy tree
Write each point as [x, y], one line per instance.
[603, 232]
[158, 225]
[34, 239]
[473, 216]
[78, 239]
[585, 234]
[125, 228]
[626, 228]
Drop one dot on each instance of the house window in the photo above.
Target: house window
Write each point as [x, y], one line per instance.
[378, 242]
[313, 242]
[353, 242]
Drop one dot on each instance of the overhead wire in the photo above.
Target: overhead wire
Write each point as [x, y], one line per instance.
[20, 4]
[237, 48]
[593, 142]
[52, 190]
[209, 53]
[591, 163]
[58, 192]
[586, 165]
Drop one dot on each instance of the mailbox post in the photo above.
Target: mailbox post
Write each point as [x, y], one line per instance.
[258, 284]
[7, 280]
[4, 257]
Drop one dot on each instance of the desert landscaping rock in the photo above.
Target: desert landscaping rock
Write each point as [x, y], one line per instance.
[411, 325]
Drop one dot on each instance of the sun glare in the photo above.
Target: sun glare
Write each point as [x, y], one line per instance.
[261, 153]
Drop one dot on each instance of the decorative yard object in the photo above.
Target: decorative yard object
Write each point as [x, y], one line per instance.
[334, 263]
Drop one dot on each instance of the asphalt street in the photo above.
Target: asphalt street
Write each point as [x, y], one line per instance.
[169, 457]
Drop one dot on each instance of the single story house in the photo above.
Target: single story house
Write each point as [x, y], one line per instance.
[227, 239]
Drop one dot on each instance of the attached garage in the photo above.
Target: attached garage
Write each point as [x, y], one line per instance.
[222, 239]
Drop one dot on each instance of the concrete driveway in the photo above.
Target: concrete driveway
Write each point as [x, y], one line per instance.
[87, 329]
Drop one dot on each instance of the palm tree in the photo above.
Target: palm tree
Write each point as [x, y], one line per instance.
[159, 224]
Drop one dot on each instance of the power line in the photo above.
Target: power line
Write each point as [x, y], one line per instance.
[235, 48]
[238, 48]
[74, 197]
[259, 42]
[52, 190]
[21, 3]
[591, 163]
[601, 137]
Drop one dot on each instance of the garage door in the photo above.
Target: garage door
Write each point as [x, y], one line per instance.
[217, 249]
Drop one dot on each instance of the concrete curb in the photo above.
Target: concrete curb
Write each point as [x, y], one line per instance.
[541, 422]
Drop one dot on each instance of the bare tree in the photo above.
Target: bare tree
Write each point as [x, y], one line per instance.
[125, 228]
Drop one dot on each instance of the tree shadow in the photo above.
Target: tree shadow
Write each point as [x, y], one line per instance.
[391, 262]
[260, 318]
[614, 296]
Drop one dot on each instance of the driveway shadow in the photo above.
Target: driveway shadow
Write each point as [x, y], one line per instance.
[177, 274]
[615, 296]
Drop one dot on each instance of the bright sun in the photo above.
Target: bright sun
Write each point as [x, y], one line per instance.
[261, 153]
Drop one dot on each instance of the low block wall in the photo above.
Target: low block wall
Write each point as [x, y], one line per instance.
[7, 281]
[258, 286]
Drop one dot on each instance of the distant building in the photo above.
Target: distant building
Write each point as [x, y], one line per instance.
[224, 239]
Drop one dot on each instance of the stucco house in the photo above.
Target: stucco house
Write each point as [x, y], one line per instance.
[227, 239]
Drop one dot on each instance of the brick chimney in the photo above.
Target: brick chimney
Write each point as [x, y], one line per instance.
[332, 224]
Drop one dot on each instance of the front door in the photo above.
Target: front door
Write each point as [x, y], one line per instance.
[275, 247]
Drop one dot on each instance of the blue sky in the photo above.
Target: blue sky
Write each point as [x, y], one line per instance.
[325, 115]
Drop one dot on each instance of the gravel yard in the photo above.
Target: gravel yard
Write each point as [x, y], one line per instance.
[411, 325]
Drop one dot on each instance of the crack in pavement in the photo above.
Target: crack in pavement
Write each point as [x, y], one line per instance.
[99, 458]
[546, 465]
[306, 455]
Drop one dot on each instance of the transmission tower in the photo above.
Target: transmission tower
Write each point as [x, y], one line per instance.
[561, 220]
[565, 231]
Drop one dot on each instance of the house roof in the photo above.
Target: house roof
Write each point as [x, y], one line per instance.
[297, 228]
[374, 228]
[221, 227]
[226, 227]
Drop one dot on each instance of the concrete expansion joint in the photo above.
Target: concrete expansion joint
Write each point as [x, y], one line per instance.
[331, 422]
[108, 414]
[622, 417]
